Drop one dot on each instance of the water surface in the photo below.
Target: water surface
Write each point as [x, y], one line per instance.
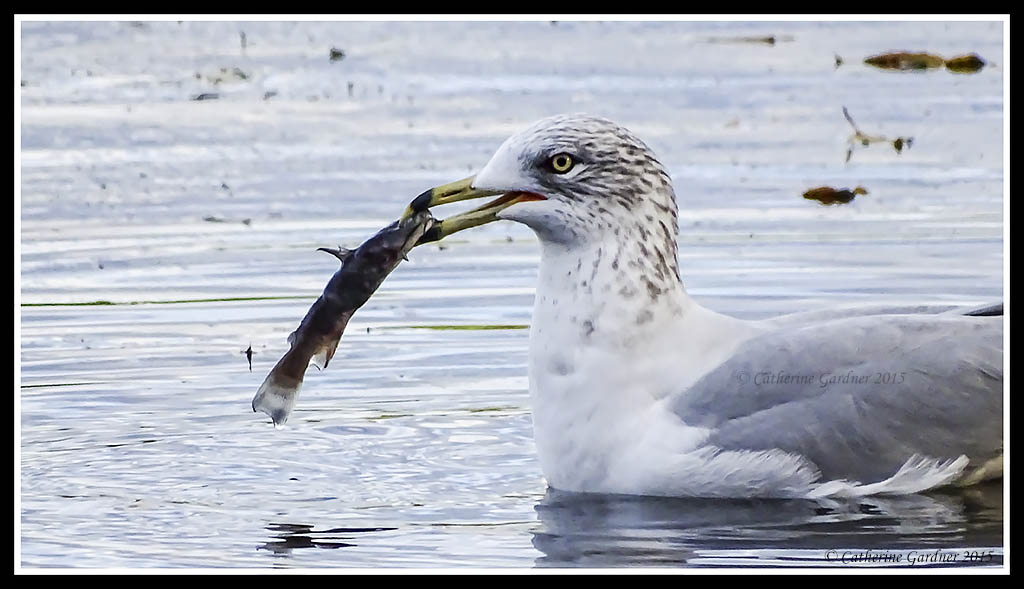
[197, 220]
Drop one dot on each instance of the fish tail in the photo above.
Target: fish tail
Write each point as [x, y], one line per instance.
[276, 396]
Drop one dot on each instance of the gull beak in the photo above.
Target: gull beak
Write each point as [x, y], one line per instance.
[463, 190]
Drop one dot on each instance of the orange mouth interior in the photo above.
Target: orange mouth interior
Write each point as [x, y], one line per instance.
[510, 198]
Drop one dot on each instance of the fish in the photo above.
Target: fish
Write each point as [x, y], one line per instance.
[362, 271]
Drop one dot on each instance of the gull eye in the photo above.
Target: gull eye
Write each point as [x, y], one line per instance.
[561, 163]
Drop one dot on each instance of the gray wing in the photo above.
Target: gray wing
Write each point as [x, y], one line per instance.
[841, 312]
[859, 396]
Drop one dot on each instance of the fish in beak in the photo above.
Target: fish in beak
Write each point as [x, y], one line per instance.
[361, 273]
[463, 190]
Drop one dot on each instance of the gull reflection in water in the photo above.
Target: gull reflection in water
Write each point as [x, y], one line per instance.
[588, 530]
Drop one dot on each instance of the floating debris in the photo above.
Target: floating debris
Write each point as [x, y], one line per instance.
[827, 195]
[206, 96]
[865, 140]
[241, 37]
[904, 61]
[269, 94]
[900, 142]
[212, 219]
[965, 64]
[248, 354]
[228, 75]
[768, 40]
[839, 60]
[337, 54]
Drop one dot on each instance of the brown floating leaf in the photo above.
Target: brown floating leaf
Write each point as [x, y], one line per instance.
[905, 61]
[827, 195]
[965, 64]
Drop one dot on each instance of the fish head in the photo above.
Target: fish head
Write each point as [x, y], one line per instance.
[393, 242]
[408, 231]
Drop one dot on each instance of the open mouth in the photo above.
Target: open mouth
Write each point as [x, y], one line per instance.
[508, 199]
[463, 190]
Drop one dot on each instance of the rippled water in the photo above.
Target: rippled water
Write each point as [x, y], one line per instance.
[198, 221]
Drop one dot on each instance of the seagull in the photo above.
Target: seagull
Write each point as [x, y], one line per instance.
[635, 388]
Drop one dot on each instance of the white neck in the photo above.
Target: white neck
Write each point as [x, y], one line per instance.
[598, 307]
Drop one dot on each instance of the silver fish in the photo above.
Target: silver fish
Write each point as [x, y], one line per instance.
[362, 272]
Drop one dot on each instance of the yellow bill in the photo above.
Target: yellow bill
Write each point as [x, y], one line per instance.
[463, 190]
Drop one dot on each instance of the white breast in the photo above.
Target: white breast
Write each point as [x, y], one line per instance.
[600, 364]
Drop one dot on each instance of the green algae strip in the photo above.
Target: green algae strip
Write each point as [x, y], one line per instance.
[389, 416]
[59, 384]
[172, 302]
[489, 409]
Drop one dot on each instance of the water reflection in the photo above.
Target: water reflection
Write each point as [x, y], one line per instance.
[288, 537]
[585, 530]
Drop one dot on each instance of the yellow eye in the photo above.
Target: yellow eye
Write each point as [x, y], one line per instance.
[561, 163]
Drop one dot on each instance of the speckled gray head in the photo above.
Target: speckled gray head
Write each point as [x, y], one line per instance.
[572, 178]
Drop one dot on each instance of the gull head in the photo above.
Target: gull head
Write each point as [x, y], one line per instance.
[574, 179]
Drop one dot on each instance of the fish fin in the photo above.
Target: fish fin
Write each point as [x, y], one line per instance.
[323, 356]
[341, 253]
[329, 352]
[276, 398]
[319, 359]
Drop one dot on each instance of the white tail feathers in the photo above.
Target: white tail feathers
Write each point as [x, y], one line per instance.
[918, 474]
